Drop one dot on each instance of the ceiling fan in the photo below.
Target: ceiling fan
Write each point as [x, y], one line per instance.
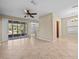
[28, 13]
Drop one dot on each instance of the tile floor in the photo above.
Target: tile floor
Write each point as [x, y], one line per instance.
[37, 49]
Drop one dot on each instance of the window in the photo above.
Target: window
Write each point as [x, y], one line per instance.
[16, 28]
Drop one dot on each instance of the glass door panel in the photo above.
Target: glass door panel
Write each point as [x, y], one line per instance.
[15, 30]
[10, 29]
[19, 28]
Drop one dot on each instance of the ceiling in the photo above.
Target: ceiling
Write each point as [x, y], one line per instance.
[62, 8]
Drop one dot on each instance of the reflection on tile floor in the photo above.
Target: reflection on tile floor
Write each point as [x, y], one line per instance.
[37, 49]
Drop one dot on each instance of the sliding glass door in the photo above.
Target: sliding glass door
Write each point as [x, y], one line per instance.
[17, 28]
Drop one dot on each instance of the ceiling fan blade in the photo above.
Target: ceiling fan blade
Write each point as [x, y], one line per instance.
[28, 11]
[25, 11]
[33, 13]
[31, 16]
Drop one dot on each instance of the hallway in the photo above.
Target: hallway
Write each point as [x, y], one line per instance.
[39, 49]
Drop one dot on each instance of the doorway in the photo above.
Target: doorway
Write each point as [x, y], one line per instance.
[57, 25]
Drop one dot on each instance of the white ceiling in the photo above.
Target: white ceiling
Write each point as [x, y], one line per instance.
[62, 8]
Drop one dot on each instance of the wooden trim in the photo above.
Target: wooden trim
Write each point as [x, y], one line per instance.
[57, 25]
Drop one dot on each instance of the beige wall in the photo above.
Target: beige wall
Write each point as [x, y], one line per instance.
[47, 27]
[55, 19]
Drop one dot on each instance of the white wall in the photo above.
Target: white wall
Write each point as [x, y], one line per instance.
[64, 27]
[4, 29]
[69, 27]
